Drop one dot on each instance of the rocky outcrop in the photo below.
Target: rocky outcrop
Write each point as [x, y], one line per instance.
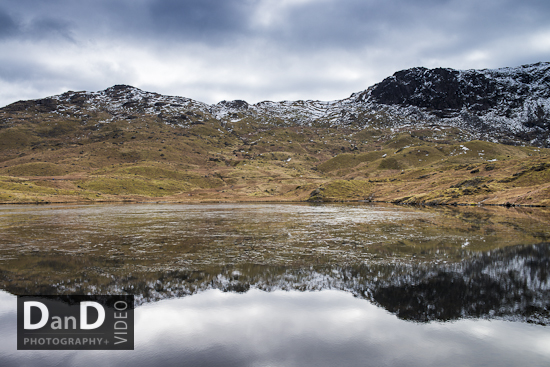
[448, 90]
[437, 89]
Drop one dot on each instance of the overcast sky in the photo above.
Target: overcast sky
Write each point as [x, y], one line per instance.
[211, 50]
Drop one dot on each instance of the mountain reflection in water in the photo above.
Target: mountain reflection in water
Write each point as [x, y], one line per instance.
[419, 264]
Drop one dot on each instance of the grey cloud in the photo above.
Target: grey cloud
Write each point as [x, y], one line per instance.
[8, 26]
[307, 25]
[357, 23]
[38, 27]
[162, 21]
[45, 28]
[290, 49]
[199, 19]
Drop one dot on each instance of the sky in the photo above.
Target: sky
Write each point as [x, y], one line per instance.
[256, 50]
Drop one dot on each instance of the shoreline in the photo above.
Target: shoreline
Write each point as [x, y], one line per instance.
[126, 201]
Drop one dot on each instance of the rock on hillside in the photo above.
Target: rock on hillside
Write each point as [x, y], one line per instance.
[507, 105]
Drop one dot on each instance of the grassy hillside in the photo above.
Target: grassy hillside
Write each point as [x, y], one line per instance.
[51, 157]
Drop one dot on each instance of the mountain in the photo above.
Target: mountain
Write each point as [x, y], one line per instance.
[382, 133]
[508, 105]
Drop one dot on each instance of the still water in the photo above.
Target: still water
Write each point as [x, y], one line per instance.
[290, 284]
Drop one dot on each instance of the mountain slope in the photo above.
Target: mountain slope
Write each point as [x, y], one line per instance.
[418, 136]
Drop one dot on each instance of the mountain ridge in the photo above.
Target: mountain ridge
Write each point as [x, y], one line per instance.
[506, 105]
[418, 123]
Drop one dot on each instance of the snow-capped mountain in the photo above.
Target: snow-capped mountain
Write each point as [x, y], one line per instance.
[499, 102]
[508, 105]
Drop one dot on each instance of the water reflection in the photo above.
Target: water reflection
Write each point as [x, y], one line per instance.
[291, 328]
[420, 264]
[290, 284]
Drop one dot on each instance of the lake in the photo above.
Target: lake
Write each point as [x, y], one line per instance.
[290, 284]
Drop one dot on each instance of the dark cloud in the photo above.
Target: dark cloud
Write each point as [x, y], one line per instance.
[158, 20]
[200, 19]
[35, 27]
[296, 24]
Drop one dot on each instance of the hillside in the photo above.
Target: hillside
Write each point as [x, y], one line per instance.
[436, 136]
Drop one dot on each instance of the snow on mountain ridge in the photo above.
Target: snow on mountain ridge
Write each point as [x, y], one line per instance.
[510, 105]
[123, 98]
